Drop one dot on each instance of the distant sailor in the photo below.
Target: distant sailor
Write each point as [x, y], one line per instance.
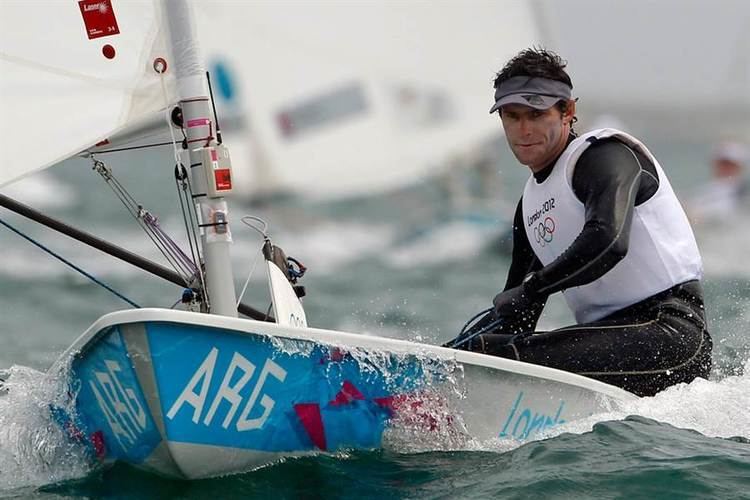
[729, 189]
[599, 222]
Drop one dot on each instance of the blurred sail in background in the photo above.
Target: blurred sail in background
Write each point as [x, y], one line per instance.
[339, 100]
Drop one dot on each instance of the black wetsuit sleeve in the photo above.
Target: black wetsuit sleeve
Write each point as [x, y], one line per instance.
[523, 259]
[606, 180]
[523, 262]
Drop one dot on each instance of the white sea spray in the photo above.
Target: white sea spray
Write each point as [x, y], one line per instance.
[34, 449]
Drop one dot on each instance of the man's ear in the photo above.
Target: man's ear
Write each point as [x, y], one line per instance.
[570, 112]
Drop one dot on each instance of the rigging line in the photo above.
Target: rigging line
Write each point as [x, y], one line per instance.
[168, 115]
[192, 213]
[468, 333]
[163, 243]
[106, 173]
[169, 249]
[250, 274]
[182, 183]
[188, 265]
[160, 240]
[181, 187]
[249, 221]
[151, 224]
[70, 264]
[168, 245]
[133, 208]
[159, 243]
[125, 194]
[178, 160]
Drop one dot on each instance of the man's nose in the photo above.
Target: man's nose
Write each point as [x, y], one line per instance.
[524, 125]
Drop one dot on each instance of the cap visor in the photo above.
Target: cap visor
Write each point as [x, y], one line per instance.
[535, 101]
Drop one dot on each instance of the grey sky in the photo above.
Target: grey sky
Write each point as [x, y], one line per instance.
[671, 52]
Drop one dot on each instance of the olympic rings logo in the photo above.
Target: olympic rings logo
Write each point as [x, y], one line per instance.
[544, 231]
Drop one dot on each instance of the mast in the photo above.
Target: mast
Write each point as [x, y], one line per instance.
[216, 237]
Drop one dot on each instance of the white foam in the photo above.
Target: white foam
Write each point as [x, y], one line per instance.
[713, 408]
[33, 449]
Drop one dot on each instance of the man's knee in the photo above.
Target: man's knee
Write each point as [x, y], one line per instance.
[495, 344]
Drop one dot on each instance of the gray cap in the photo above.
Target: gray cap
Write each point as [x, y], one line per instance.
[532, 91]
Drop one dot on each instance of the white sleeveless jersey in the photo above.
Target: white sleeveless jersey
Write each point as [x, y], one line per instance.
[662, 251]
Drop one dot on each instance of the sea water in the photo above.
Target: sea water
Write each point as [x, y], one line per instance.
[401, 266]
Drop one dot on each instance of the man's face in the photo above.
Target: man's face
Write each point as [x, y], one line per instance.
[724, 169]
[536, 136]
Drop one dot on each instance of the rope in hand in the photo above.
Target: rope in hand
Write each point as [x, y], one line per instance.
[474, 328]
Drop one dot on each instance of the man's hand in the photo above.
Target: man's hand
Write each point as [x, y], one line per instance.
[513, 303]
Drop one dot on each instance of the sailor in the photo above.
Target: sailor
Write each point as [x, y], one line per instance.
[598, 221]
[728, 190]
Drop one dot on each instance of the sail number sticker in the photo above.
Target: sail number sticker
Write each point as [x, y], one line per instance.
[99, 18]
[119, 404]
[194, 396]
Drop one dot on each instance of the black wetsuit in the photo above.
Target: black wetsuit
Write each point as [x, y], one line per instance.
[643, 348]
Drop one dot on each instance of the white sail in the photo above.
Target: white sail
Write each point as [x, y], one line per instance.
[345, 98]
[73, 73]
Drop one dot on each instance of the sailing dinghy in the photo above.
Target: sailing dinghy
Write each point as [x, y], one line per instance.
[203, 392]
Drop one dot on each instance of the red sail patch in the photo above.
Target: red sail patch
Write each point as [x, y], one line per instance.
[99, 18]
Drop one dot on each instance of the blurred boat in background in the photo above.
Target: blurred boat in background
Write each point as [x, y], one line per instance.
[330, 102]
[346, 100]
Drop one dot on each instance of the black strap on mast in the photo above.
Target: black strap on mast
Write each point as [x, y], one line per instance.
[111, 249]
[213, 105]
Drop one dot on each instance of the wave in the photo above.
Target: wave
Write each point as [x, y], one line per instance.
[33, 448]
[715, 408]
